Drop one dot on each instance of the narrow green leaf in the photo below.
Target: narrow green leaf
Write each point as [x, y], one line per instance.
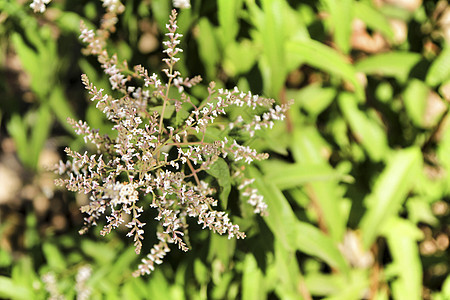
[337, 286]
[320, 284]
[18, 131]
[70, 21]
[228, 12]
[10, 290]
[61, 108]
[100, 252]
[286, 176]
[40, 132]
[53, 256]
[310, 148]
[419, 210]
[161, 12]
[402, 241]
[314, 98]
[325, 58]
[207, 45]
[221, 172]
[273, 39]
[415, 100]
[201, 272]
[239, 57]
[312, 241]
[159, 287]
[252, 280]
[391, 64]
[341, 12]
[389, 192]
[366, 130]
[123, 262]
[30, 61]
[373, 18]
[287, 273]
[281, 219]
[440, 68]
[221, 248]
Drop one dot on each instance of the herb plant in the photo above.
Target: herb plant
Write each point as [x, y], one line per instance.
[165, 141]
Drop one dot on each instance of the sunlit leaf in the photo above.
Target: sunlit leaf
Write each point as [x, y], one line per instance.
[391, 64]
[366, 130]
[327, 59]
[389, 192]
[440, 68]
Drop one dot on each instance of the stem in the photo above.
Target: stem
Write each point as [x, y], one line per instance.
[194, 172]
[161, 124]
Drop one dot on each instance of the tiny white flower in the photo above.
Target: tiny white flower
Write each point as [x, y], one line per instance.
[181, 3]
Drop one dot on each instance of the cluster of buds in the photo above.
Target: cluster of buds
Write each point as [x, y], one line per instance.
[162, 148]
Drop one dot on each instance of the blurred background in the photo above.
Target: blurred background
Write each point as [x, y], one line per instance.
[357, 185]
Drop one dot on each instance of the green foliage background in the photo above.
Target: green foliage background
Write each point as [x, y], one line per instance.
[357, 173]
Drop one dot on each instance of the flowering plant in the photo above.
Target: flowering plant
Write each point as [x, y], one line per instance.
[166, 143]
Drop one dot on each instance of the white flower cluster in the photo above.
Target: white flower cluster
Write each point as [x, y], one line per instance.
[113, 6]
[39, 5]
[182, 3]
[157, 157]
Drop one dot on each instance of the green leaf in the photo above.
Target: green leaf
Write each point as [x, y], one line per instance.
[415, 98]
[391, 64]
[122, 263]
[55, 260]
[70, 22]
[221, 172]
[37, 54]
[239, 57]
[389, 192]
[308, 147]
[11, 290]
[161, 12]
[18, 130]
[222, 249]
[337, 286]
[366, 130]
[227, 13]
[61, 108]
[287, 273]
[159, 288]
[314, 98]
[312, 241]
[40, 132]
[440, 68]
[373, 18]
[319, 284]
[327, 59]
[273, 41]
[286, 176]
[341, 12]
[168, 110]
[207, 46]
[281, 219]
[402, 241]
[252, 280]
[201, 272]
[419, 210]
[102, 253]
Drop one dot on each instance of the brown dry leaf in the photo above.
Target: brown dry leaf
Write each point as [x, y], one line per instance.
[434, 110]
[10, 184]
[410, 5]
[444, 23]
[353, 251]
[400, 30]
[362, 40]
